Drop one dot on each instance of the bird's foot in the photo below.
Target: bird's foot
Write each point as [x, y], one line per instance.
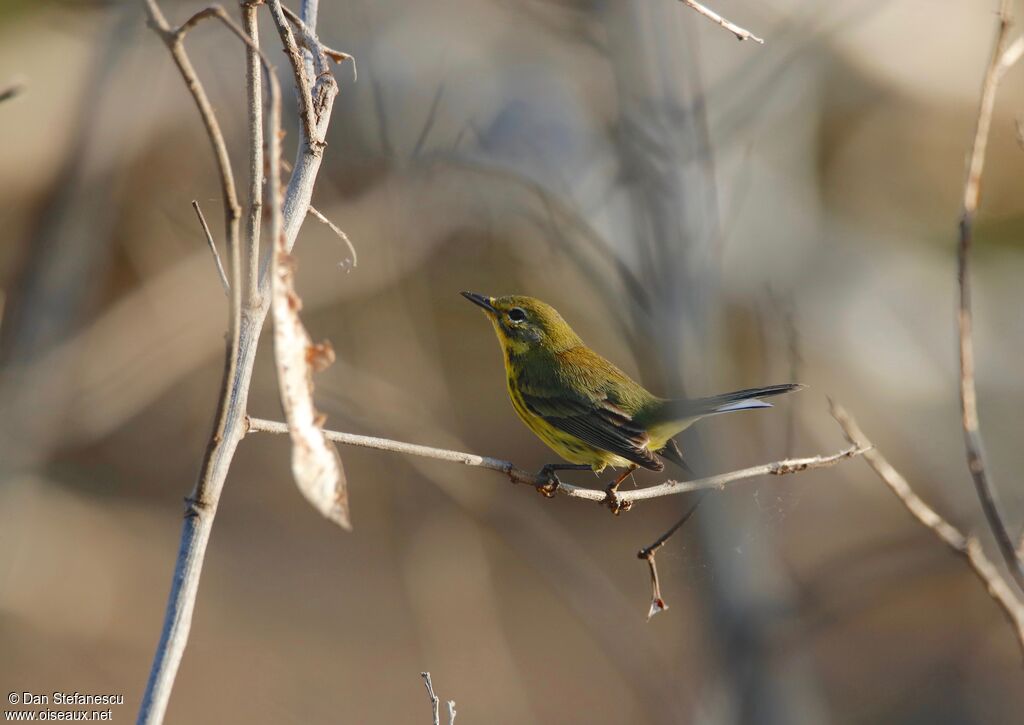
[611, 500]
[552, 482]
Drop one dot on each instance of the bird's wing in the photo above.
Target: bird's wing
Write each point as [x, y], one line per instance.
[601, 424]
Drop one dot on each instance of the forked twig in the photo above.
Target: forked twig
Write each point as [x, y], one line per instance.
[435, 702]
[648, 552]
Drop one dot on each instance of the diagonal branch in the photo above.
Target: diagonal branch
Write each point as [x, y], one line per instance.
[964, 546]
[1003, 58]
[740, 33]
[11, 90]
[213, 249]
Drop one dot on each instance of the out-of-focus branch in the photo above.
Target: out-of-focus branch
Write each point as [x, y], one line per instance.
[213, 249]
[740, 33]
[435, 702]
[619, 500]
[966, 546]
[11, 90]
[1003, 58]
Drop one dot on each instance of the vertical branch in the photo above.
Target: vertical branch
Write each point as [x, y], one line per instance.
[1002, 59]
[229, 428]
[254, 101]
[201, 505]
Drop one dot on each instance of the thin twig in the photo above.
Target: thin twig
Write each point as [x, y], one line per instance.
[451, 712]
[740, 33]
[213, 249]
[648, 552]
[965, 546]
[623, 499]
[341, 235]
[435, 701]
[1002, 59]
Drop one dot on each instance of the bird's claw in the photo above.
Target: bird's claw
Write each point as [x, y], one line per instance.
[611, 499]
[550, 487]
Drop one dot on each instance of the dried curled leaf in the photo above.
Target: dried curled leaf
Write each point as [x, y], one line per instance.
[316, 465]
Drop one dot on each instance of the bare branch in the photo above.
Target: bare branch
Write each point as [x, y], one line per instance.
[622, 499]
[303, 85]
[1002, 59]
[213, 249]
[174, 40]
[648, 552]
[740, 33]
[967, 547]
[435, 701]
[313, 44]
[254, 109]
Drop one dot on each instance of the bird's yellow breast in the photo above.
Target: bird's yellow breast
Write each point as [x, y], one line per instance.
[564, 444]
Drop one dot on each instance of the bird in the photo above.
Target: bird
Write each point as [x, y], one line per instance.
[585, 408]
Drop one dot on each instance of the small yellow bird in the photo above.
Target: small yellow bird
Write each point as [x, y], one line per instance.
[582, 406]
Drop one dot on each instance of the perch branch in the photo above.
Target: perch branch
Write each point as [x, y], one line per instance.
[1003, 58]
[623, 499]
[740, 33]
[213, 249]
[965, 546]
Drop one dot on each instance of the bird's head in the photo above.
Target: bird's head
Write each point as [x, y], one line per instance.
[525, 323]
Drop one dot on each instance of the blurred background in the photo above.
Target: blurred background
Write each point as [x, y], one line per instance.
[709, 214]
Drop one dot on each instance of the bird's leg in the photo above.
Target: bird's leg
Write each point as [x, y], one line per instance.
[613, 487]
[548, 473]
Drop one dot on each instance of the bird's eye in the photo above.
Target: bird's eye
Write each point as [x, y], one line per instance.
[517, 314]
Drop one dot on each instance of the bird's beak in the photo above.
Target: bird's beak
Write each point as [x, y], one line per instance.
[478, 299]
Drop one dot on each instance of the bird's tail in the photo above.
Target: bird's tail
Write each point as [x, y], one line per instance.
[680, 410]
